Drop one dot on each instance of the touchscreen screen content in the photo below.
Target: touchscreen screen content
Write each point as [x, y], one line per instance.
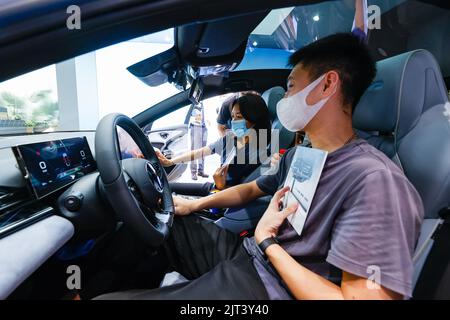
[51, 165]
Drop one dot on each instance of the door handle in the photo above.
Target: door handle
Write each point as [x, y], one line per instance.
[163, 135]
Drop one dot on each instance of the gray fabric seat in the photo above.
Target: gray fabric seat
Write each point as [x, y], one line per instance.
[406, 114]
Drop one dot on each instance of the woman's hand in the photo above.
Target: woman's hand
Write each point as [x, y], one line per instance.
[162, 158]
[275, 159]
[272, 219]
[220, 177]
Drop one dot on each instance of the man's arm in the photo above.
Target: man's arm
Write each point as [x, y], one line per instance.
[231, 197]
[303, 283]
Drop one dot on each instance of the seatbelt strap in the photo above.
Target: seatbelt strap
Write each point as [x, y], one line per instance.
[424, 244]
[434, 278]
[427, 239]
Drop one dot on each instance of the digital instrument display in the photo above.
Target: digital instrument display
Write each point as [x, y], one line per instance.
[51, 165]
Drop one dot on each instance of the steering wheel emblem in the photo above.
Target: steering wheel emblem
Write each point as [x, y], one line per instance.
[153, 175]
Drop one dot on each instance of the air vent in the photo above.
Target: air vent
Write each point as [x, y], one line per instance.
[19, 209]
[10, 197]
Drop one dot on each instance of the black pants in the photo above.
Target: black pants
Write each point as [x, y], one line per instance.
[212, 258]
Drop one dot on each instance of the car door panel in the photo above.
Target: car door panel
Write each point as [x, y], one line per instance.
[171, 141]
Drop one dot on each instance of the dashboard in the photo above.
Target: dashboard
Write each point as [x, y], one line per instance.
[39, 172]
[26, 198]
[36, 169]
[51, 165]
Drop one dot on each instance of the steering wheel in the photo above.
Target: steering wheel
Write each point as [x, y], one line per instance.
[137, 189]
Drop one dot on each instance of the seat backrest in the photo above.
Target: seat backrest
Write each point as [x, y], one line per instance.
[406, 114]
[272, 96]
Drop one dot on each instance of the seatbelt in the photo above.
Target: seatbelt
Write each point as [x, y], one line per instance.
[434, 279]
[424, 245]
[435, 223]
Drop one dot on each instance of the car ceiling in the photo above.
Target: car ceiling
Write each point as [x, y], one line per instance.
[33, 34]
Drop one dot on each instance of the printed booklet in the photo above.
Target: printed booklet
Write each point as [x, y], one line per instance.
[303, 178]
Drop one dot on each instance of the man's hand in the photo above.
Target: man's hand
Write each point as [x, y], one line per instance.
[162, 158]
[183, 206]
[273, 217]
[220, 177]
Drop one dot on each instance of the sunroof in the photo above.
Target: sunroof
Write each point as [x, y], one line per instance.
[285, 30]
[272, 21]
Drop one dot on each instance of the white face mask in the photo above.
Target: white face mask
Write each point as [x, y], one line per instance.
[295, 113]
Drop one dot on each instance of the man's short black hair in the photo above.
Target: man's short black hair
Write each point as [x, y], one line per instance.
[343, 53]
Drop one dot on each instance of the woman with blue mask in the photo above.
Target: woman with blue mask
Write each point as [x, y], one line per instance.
[239, 148]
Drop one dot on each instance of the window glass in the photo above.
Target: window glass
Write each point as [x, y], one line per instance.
[118, 89]
[29, 103]
[75, 94]
[402, 26]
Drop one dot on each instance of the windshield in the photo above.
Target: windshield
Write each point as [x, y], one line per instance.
[77, 93]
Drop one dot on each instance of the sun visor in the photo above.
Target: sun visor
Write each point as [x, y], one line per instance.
[220, 43]
[158, 69]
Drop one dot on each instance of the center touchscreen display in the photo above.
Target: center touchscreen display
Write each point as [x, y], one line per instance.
[51, 165]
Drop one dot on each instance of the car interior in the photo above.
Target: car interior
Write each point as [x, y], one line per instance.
[110, 215]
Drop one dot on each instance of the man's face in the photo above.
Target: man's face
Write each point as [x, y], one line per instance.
[299, 79]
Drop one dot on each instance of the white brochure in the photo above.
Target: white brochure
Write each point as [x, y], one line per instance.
[303, 178]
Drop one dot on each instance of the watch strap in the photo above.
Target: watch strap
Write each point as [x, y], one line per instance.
[266, 243]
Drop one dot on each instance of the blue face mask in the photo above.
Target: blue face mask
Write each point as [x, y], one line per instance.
[239, 128]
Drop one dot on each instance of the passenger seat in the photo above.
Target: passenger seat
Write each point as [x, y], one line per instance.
[272, 96]
[406, 114]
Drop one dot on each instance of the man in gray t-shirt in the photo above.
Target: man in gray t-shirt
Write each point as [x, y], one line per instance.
[363, 223]
[365, 218]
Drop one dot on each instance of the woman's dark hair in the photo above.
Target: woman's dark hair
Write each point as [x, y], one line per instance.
[254, 109]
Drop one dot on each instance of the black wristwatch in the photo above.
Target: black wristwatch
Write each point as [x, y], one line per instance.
[266, 243]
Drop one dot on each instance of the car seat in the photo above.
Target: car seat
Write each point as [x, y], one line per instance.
[406, 114]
